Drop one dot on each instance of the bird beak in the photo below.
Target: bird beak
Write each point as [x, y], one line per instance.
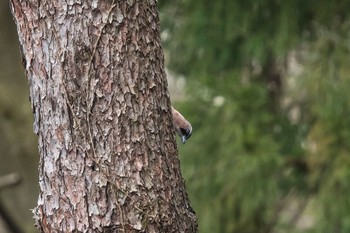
[183, 139]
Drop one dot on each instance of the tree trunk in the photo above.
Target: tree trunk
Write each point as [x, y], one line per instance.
[108, 156]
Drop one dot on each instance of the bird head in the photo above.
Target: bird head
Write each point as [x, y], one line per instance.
[186, 134]
[182, 126]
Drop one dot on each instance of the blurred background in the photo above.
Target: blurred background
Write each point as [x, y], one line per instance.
[266, 86]
[18, 144]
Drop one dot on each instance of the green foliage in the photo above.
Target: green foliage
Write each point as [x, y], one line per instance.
[269, 103]
[220, 180]
[328, 151]
[216, 37]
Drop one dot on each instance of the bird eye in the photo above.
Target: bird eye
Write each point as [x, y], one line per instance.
[189, 133]
[183, 131]
[186, 132]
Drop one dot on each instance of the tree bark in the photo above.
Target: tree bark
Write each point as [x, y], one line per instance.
[108, 155]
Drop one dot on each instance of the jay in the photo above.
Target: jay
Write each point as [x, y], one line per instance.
[182, 127]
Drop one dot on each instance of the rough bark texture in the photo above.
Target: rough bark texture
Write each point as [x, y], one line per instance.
[108, 156]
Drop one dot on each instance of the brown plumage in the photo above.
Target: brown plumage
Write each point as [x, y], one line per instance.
[182, 126]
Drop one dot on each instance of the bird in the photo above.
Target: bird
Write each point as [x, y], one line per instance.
[182, 127]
